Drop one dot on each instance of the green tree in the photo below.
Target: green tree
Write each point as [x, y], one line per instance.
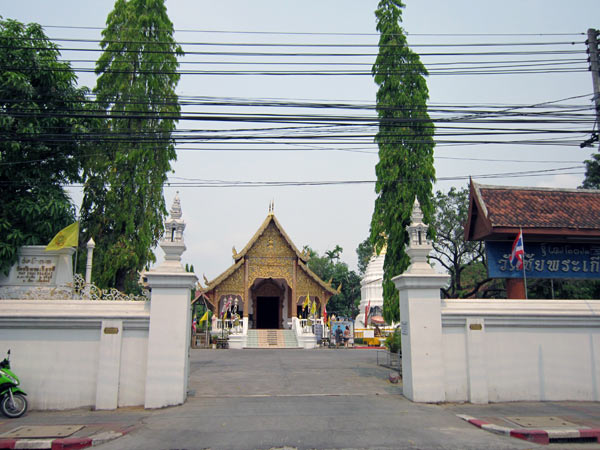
[39, 149]
[592, 173]
[329, 267]
[364, 251]
[405, 138]
[123, 207]
[464, 260]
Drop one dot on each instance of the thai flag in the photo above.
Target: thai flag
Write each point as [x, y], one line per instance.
[518, 251]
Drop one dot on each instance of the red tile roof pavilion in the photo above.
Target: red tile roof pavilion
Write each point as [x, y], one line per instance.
[544, 214]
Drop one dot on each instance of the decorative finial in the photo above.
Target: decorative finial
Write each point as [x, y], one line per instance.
[233, 251]
[172, 241]
[417, 214]
[205, 279]
[272, 207]
[419, 246]
[175, 211]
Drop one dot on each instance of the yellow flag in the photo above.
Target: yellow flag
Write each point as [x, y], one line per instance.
[306, 301]
[204, 317]
[67, 237]
[313, 308]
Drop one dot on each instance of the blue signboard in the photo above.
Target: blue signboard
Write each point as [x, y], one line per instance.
[545, 260]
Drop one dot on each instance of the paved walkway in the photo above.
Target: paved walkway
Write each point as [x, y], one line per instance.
[304, 399]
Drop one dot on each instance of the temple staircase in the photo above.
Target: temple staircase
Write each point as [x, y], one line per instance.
[271, 339]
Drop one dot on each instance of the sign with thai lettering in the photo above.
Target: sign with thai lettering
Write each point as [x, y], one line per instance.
[35, 270]
[545, 260]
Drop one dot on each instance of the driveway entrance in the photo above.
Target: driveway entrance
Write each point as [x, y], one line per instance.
[319, 372]
[301, 399]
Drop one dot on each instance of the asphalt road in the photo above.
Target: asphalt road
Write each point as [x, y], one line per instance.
[304, 399]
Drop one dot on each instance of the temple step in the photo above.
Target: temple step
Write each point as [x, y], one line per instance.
[271, 339]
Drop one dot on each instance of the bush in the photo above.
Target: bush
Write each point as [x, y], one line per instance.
[393, 341]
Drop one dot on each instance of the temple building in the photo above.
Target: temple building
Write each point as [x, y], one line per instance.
[268, 281]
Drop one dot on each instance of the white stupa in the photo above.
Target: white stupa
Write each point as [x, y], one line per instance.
[371, 287]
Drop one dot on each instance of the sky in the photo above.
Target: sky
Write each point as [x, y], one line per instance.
[324, 216]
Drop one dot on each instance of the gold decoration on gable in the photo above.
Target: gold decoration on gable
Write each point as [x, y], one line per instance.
[306, 285]
[271, 243]
[271, 268]
[233, 284]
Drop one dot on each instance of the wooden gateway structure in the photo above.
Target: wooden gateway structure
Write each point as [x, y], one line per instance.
[560, 229]
[268, 282]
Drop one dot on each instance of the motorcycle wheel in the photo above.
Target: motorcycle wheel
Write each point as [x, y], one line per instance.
[16, 409]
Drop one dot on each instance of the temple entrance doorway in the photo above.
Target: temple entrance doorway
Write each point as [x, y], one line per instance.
[268, 305]
[267, 312]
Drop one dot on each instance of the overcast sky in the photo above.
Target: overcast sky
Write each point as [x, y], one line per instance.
[323, 216]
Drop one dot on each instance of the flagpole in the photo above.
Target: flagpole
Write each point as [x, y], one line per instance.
[524, 275]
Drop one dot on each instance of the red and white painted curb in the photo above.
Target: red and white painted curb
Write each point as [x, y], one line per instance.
[540, 436]
[60, 443]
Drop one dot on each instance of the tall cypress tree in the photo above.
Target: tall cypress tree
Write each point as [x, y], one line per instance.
[405, 139]
[123, 207]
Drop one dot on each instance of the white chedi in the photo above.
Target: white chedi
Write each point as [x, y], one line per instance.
[371, 287]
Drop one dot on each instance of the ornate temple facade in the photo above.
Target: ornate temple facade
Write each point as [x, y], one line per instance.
[268, 282]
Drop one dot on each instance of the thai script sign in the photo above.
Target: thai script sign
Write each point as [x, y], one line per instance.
[35, 270]
[545, 260]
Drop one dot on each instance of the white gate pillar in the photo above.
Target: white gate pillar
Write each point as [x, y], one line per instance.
[421, 319]
[170, 320]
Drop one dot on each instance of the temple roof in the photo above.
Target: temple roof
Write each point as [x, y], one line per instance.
[239, 257]
[497, 212]
[316, 278]
[224, 275]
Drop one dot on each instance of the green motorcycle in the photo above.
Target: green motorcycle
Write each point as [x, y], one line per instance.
[13, 403]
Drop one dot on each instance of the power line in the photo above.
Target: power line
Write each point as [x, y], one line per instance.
[297, 44]
[327, 33]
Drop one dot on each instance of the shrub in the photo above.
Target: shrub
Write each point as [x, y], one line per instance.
[393, 341]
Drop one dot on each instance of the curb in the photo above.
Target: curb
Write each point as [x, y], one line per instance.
[60, 443]
[542, 436]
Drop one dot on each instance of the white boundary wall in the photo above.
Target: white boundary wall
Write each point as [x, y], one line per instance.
[480, 350]
[102, 354]
[510, 350]
[64, 357]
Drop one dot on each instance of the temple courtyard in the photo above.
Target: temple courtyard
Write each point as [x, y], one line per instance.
[304, 399]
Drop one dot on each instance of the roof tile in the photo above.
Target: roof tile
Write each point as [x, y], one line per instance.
[541, 208]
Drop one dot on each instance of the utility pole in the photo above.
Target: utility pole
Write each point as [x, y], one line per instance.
[592, 44]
